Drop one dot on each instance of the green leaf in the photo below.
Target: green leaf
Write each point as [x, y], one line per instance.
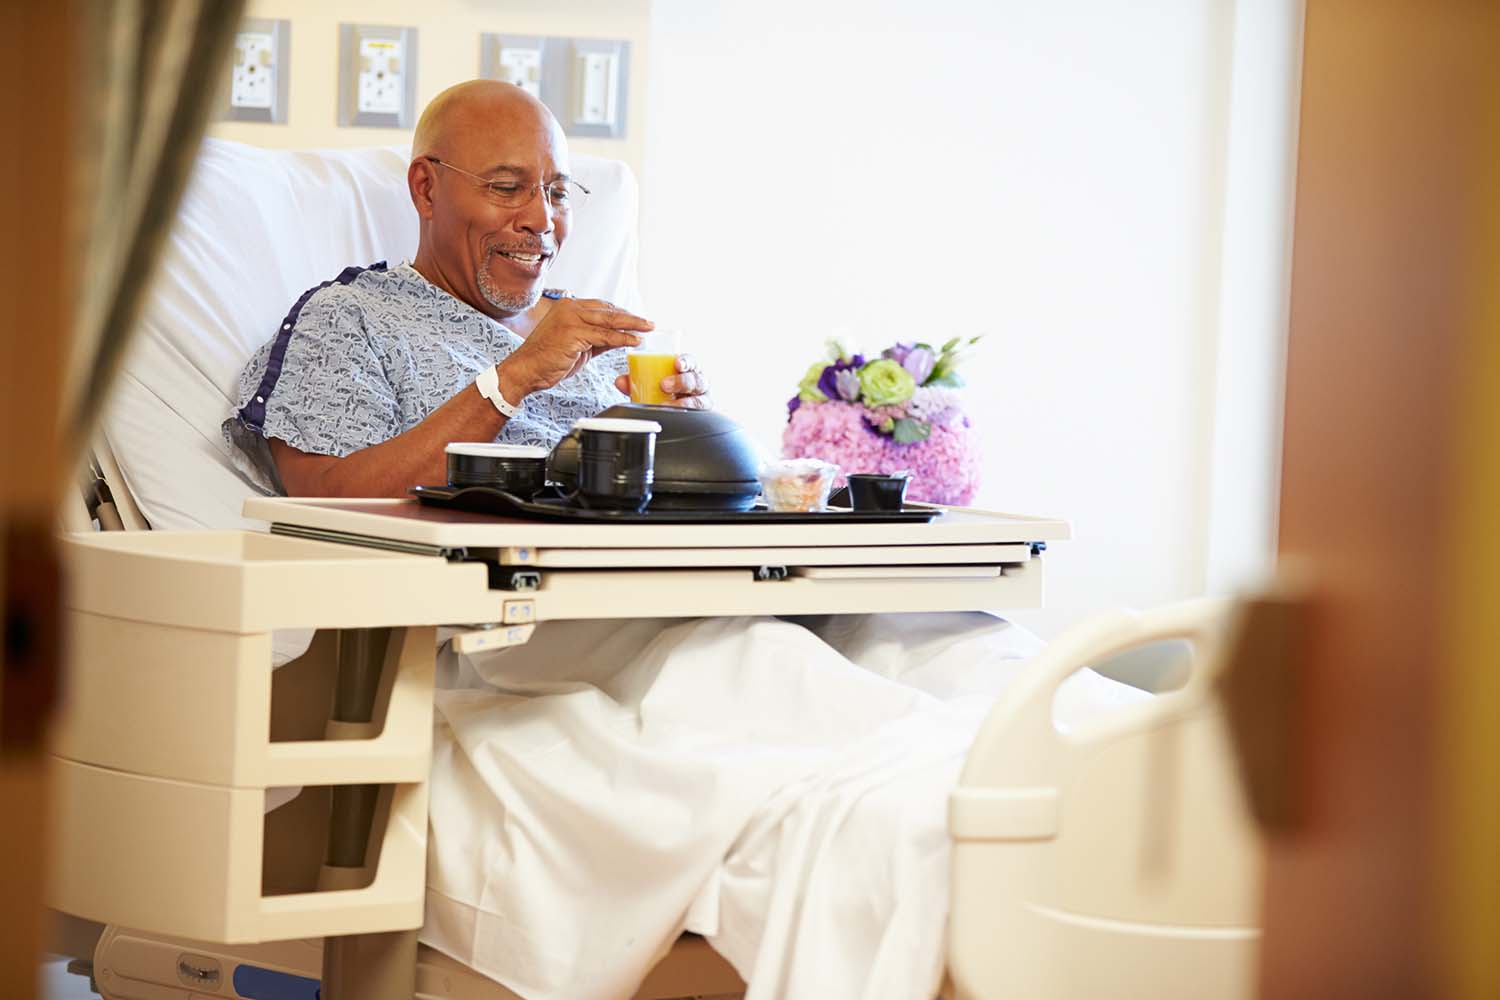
[951, 344]
[948, 379]
[909, 431]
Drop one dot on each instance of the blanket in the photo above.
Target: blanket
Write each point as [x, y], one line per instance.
[777, 785]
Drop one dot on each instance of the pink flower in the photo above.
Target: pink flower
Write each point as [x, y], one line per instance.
[935, 404]
[944, 468]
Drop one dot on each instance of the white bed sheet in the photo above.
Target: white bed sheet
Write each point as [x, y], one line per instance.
[777, 786]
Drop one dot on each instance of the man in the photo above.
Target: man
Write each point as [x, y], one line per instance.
[372, 374]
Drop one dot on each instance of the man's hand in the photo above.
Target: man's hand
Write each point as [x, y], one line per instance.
[572, 332]
[688, 388]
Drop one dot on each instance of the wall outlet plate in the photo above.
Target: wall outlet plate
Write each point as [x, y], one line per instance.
[584, 81]
[377, 76]
[596, 88]
[597, 78]
[259, 71]
[517, 59]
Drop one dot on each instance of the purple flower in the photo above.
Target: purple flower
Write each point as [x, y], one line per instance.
[846, 380]
[899, 352]
[791, 406]
[919, 362]
[828, 381]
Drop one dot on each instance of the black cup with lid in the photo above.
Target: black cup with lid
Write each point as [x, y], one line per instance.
[520, 470]
[616, 462]
[703, 460]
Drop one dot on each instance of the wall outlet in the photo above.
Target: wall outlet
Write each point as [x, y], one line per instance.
[585, 81]
[380, 90]
[253, 81]
[377, 76]
[518, 59]
[258, 72]
[522, 67]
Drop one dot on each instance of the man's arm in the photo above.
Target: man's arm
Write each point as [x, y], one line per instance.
[388, 468]
[562, 343]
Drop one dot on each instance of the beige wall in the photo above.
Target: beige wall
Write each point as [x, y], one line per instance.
[447, 52]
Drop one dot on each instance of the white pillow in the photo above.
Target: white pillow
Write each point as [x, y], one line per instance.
[255, 230]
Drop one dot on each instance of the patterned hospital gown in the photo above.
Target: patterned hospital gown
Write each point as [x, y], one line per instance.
[368, 355]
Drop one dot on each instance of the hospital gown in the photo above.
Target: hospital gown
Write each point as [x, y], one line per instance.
[370, 354]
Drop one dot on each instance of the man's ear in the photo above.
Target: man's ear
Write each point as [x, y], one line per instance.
[420, 176]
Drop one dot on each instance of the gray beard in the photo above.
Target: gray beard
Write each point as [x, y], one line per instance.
[506, 302]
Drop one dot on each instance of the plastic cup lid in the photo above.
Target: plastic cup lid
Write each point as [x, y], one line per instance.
[490, 449]
[621, 425]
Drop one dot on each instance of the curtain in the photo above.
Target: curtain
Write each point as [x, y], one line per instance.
[156, 71]
[102, 103]
[110, 111]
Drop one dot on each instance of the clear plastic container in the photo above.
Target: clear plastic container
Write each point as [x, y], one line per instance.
[797, 484]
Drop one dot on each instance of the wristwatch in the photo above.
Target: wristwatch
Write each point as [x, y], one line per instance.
[488, 384]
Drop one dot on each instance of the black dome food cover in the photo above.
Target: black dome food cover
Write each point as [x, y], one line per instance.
[704, 460]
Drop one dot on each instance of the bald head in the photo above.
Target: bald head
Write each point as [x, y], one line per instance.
[482, 154]
[466, 113]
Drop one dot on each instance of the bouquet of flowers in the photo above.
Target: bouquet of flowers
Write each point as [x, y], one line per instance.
[898, 412]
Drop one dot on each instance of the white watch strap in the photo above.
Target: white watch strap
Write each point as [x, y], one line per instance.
[488, 384]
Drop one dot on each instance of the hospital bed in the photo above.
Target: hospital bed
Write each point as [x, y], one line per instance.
[244, 831]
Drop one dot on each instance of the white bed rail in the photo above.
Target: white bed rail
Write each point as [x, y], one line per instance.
[1116, 859]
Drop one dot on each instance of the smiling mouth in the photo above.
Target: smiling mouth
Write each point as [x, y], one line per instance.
[523, 256]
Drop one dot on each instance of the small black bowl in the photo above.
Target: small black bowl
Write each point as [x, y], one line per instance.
[520, 470]
[869, 491]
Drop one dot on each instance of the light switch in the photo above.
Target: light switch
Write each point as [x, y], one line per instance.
[258, 72]
[595, 76]
[377, 75]
[595, 88]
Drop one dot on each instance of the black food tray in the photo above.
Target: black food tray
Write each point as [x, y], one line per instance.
[551, 507]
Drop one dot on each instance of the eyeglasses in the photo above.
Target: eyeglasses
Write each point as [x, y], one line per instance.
[511, 193]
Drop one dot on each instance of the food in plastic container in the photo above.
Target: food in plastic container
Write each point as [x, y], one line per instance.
[797, 484]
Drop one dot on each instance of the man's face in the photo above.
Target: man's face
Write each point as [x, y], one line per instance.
[504, 225]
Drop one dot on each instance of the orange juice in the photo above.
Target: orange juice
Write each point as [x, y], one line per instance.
[646, 373]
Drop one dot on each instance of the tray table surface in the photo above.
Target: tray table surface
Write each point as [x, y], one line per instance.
[410, 522]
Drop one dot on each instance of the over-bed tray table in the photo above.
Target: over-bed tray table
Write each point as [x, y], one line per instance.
[176, 727]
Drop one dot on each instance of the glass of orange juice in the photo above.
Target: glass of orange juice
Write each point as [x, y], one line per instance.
[653, 360]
